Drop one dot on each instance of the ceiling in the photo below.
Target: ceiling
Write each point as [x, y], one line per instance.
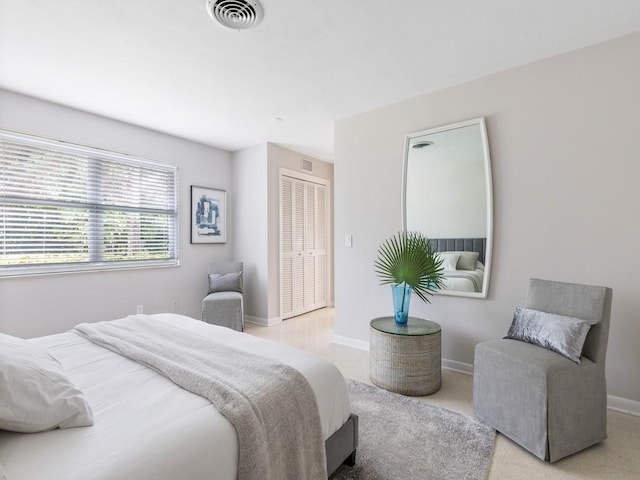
[166, 65]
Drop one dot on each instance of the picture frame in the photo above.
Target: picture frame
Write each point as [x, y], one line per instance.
[208, 215]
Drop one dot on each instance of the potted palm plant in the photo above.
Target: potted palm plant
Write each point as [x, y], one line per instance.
[409, 263]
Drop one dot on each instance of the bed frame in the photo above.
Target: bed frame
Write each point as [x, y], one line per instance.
[341, 446]
[461, 245]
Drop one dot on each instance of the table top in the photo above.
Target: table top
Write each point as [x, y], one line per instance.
[414, 326]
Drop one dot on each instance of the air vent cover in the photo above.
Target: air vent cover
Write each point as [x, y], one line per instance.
[307, 166]
[235, 14]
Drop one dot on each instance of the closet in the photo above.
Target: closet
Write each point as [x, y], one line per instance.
[303, 246]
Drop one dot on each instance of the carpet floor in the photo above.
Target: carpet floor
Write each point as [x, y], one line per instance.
[401, 438]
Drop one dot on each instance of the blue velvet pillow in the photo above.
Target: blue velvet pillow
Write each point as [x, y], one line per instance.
[563, 335]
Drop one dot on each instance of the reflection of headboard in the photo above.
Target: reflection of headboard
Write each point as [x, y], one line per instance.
[461, 245]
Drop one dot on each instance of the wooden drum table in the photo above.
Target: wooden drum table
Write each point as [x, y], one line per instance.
[405, 358]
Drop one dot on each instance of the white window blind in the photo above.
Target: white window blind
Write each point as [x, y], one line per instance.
[66, 207]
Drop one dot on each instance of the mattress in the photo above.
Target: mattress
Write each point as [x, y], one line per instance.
[145, 426]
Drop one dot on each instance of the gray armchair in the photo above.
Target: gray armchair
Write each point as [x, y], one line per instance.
[223, 304]
[543, 401]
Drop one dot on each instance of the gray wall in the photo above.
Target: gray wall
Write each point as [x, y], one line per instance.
[256, 181]
[563, 136]
[280, 157]
[40, 305]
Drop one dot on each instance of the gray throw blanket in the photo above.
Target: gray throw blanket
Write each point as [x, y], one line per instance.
[271, 405]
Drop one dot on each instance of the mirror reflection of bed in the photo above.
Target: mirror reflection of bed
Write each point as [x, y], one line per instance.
[448, 198]
[463, 262]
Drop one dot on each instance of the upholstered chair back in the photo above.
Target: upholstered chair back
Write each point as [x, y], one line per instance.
[224, 305]
[225, 267]
[579, 301]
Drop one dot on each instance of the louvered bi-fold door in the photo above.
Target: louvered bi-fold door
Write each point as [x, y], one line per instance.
[303, 246]
[286, 247]
[320, 253]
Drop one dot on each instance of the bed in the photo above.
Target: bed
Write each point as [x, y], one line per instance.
[463, 262]
[146, 427]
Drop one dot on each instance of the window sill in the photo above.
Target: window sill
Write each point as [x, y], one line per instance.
[26, 271]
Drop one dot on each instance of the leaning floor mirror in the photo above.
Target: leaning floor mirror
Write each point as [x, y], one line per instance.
[448, 197]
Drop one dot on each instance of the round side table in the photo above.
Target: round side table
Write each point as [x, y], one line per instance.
[405, 358]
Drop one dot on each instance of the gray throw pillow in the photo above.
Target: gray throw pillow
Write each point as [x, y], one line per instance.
[563, 335]
[225, 282]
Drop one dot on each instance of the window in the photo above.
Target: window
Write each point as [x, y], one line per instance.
[66, 207]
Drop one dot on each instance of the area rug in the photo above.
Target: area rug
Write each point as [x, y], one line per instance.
[401, 438]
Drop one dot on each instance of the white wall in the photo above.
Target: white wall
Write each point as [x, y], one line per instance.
[33, 306]
[447, 199]
[563, 135]
[446, 186]
[249, 182]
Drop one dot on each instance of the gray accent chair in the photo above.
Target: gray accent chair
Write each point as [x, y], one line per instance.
[224, 308]
[541, 400]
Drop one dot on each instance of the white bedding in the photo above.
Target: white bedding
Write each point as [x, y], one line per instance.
[464, 280]
[145, 426]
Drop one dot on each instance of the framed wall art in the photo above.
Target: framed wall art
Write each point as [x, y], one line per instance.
[208, 215]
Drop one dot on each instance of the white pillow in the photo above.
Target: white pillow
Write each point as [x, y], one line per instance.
[449, 260]
[466, 260]
[3, 476]
[35, 393]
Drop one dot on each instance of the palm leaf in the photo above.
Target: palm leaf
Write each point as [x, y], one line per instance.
[407, 257]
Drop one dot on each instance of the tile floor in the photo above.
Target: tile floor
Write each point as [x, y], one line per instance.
[618, 458]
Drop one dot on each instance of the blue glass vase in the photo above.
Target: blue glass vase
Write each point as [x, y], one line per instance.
[401, 296]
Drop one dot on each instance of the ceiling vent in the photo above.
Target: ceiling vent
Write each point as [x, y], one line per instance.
[236, 14]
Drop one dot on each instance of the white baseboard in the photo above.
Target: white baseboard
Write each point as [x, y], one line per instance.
[351, 342]
[263, 322]
[459, 367]
[618, 404]
[623, 405]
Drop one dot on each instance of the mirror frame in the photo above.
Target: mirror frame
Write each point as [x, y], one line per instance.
[480, 122]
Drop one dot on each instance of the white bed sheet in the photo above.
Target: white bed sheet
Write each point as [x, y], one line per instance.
[464, 280]
[145, 426]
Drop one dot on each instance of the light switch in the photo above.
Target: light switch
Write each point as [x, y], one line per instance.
[348, 241]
